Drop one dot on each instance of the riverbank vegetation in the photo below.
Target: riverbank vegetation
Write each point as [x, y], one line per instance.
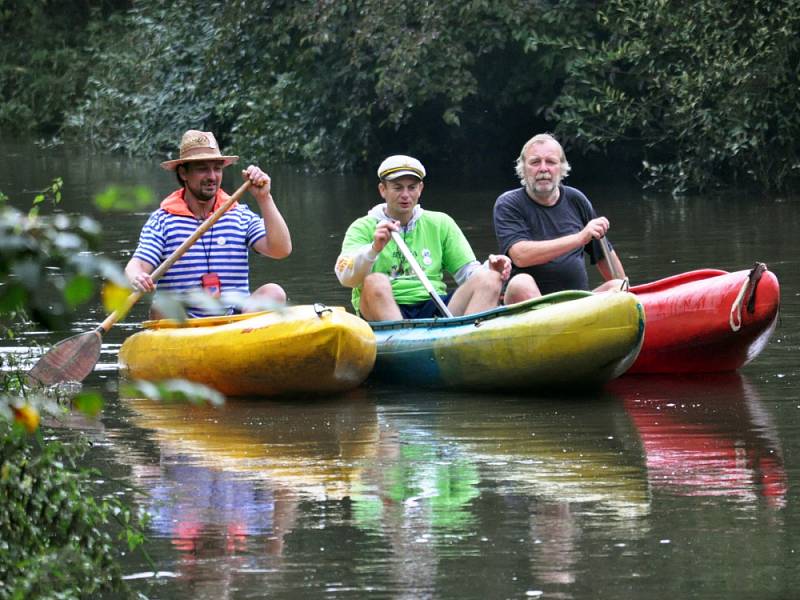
[60, 535]
[688, 96]
[60, 541]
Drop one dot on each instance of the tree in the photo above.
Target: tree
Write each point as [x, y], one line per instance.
[704, 93]
[699, 95]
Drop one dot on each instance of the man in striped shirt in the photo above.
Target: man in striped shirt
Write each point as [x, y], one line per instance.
[218, 261]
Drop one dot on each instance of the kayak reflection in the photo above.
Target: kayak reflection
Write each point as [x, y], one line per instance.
[228, 474]
[567, 450]
[706, 435]
[462, 468]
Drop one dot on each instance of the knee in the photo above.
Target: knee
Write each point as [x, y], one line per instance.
[488, 279]
[376, 284]
[521, 287]
[265, 296]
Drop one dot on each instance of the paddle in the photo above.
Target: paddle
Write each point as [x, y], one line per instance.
[437, 300]
[74, 358]
[607, 256]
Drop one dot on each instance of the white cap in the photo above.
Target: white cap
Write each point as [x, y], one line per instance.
[400, 165]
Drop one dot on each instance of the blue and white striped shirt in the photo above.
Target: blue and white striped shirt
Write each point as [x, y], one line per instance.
[223, 249]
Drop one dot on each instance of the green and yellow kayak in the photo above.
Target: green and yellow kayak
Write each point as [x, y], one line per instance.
[567, 339]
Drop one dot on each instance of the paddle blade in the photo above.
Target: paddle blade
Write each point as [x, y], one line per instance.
[70, 360]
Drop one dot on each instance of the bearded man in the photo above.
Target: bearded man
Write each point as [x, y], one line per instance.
[546, 227]
[218, 262]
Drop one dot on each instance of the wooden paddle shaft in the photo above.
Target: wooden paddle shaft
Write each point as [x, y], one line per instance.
[123, 310]
[607, 256]
[421, 274]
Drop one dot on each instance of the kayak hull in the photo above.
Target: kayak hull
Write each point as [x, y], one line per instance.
[567, 339]
[707, 320]
[299, 349]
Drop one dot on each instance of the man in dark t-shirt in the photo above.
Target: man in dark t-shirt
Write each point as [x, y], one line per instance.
[546, 227]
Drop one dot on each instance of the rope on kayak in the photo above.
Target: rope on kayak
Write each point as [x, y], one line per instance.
[748, 290]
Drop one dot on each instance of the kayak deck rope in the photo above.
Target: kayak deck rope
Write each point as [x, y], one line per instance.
[746, 295]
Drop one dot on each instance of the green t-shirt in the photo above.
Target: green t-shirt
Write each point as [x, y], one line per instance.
[435, 241]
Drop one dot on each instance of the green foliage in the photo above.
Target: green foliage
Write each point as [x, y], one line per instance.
[706, 93]
[56, 537]
[150, 77]
[36, 80]
[174, 391]
[46, 273]
[120, 198]
[89, 403]
[53, 191]
[45, 265]
[699, 94]
[43, 61]
[329, 83]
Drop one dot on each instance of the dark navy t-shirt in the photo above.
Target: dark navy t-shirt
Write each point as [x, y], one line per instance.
[518, 218]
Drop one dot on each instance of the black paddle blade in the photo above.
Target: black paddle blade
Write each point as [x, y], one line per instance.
[70, 360]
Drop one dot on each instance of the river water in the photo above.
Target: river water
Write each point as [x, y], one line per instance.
[657, 487]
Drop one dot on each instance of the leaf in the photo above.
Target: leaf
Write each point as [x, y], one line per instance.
[12, 297]
[169, 306]
[89, 403]
[114, 296]
[125, 198]
[79, 289]
[173, 391]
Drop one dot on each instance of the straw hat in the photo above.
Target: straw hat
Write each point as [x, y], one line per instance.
[196, 146]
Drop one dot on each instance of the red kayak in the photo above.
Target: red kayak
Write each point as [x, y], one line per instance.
[706, 320]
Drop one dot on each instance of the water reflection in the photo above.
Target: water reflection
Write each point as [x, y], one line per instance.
[706, 435]
[228, 483]
[417, 499]
[420, 482]
[536, 474]
[571, 466]
[573, 450]
[310, 448]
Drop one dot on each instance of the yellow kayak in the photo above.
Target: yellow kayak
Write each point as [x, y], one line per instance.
[297, 349]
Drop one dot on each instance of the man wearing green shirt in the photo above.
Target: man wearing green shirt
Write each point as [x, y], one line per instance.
[385, 287]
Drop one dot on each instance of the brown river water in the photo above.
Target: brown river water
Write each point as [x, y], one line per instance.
[654, 487]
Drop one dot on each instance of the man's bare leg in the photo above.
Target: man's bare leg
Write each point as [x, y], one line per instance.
[480, 292]
[267, 296]
[521, 287]
[377, 300]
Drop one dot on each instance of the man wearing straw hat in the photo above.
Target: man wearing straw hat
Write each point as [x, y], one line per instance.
[218, 261]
